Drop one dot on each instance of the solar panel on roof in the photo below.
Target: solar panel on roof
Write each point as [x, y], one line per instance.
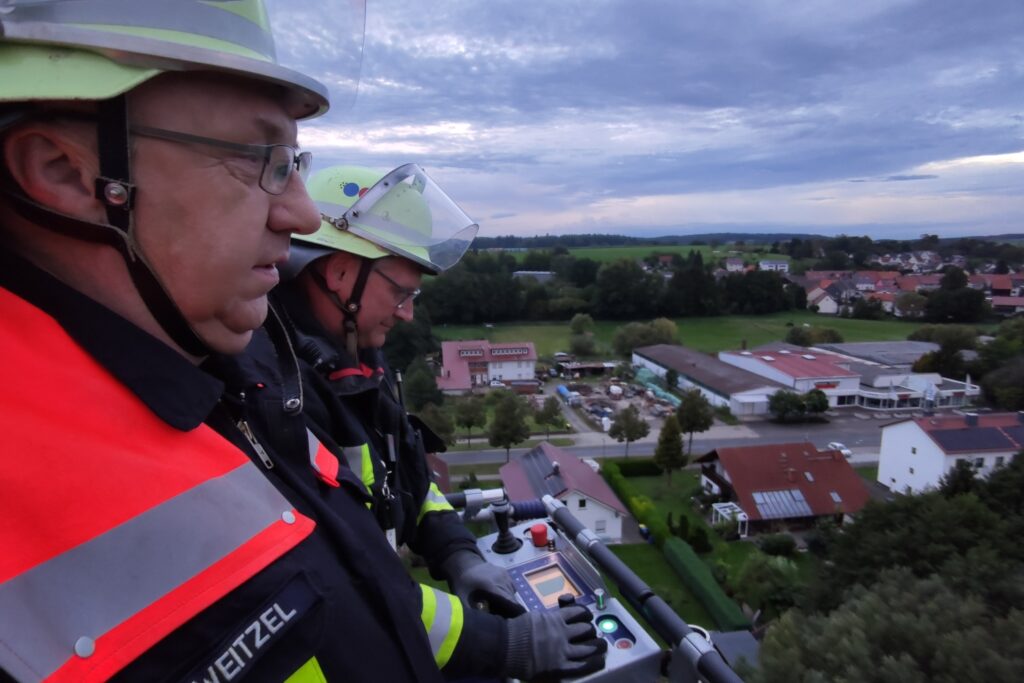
[836, 498]
[781, 504]
[972, 439]
[1016, 433]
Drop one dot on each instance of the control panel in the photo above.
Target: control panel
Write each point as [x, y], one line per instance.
[548, 571]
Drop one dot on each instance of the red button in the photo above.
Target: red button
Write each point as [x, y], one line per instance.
[539, 532]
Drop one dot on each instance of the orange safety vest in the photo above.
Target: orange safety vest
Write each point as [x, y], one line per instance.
[115, 528]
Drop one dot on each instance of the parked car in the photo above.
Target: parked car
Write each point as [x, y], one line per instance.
[497, 384]
[836, 446]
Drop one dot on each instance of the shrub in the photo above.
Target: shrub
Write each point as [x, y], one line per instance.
[699, 540]
[638, 467]
[778, 544]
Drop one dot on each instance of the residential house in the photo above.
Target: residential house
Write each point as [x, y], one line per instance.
[1007, 305]
[474, 363]
[916, 453]
[734, 265]
[548, 470]
[784, 485]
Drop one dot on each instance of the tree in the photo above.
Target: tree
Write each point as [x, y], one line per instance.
[470, 412]
[901, 628]
[694, 414]
[959, 479]
[581, 344]
[549, 415]
[420, 386]
[671, 379]
[786, 406]
[910, 305]
[953, 279]
[768, 583]
[628, 426]
[439, 421]
[581, 323]
[509, 424]
[634, 335]
[668, 454]
[624, 291]
[815, 402]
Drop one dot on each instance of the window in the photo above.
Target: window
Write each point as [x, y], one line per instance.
[582, 503]
[1000, 460]
[599, 526]
[911, 470]
[979, 462]
[913, 450]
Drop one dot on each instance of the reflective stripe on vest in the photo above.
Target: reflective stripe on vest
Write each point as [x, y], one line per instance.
[324, 463]
[442, 619]
[434, 501]
[361, 463]
[310, 672]
[116, 528]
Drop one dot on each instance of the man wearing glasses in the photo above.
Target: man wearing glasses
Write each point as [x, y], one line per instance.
[161, 518]
[345, 287]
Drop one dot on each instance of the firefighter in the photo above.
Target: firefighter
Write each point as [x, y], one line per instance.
[345, 287]
[162, 515]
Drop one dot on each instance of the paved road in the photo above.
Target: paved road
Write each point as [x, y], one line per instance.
[863, 436]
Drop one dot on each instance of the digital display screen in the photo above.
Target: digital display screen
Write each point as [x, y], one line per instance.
[550, 582]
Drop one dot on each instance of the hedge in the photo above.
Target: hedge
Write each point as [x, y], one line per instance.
[637, 467]
[642, 507]
[697, 577]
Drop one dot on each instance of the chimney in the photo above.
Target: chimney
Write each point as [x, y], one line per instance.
[743, 344]
[789, 473]
[1020, 416]
[554, 468]
[971, 419]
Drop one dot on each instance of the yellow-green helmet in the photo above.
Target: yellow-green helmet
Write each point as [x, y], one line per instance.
[98, 49]
[403, 213]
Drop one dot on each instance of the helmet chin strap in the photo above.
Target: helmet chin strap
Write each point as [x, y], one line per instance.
[114, 188]
[350, 307]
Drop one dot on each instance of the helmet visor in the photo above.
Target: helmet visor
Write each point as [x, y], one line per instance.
[407, 214]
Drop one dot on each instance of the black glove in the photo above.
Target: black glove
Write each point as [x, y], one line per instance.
[474, 580]
[560, 643]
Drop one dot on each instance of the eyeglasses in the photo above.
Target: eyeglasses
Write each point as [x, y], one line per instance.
[405, 295]
[279, 161]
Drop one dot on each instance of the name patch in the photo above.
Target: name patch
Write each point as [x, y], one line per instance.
[235, 655]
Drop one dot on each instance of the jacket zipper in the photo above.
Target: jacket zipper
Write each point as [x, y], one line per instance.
[264, 457]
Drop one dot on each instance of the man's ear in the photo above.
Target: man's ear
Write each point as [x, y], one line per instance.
[54, 167]
[339, 265]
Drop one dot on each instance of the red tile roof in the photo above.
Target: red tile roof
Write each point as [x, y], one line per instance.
[800, 363]
[785, 467]
[526, 478]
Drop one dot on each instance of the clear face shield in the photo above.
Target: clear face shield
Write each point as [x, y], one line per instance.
[406, 213]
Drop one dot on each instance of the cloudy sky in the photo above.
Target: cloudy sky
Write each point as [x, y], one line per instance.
[654, 117]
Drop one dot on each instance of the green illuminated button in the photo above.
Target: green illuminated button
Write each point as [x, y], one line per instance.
[607, 625]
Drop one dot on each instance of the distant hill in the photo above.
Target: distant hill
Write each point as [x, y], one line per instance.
[601, 240]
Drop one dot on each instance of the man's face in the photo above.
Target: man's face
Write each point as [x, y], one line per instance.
[208, 230]
[380, 311]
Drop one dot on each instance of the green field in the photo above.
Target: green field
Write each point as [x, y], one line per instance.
[705, 334]
[606, 254]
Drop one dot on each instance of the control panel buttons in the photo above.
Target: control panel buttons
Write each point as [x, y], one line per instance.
[539, 534]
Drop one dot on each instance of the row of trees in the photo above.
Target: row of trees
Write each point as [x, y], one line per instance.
[481, 289]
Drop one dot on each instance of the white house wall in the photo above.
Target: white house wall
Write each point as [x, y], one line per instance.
[510, 369]
[909, 461]
[592, 513]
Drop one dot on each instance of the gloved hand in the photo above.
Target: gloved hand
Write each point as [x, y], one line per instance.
[561, 643]
[474, 580]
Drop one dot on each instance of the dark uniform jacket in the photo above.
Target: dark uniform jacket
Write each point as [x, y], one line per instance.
[337, 606]
[371, 414]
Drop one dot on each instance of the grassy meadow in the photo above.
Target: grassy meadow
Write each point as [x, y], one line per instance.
[705, 334]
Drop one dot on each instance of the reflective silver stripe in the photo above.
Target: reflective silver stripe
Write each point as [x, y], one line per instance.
[354, 458]
[442, 623]
[93, 587]
[187, 16]
[437, 499]
[313, 446]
